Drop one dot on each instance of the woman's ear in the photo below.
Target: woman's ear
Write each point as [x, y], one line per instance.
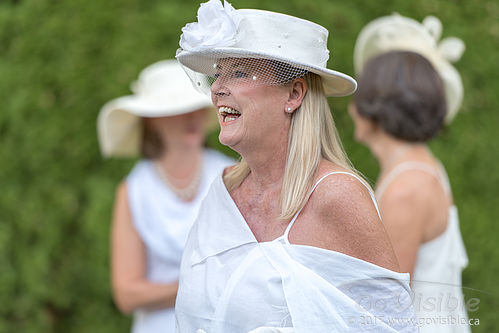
[297, 91]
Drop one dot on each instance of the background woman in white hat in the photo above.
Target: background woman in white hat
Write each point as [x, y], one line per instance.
[289, 239]
[407, 90]
[164, 122]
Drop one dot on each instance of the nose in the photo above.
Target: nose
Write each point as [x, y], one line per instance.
[219, 89]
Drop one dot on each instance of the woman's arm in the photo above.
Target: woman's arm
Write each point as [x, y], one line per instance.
[131, 289]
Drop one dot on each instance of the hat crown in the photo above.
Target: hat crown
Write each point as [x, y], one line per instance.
[283, 36]
[256, 31]
[161, 80]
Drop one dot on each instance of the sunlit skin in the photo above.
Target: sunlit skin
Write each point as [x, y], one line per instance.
[259, 134]
[262, 106]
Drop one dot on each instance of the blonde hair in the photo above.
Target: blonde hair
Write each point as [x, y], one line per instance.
[312, 137]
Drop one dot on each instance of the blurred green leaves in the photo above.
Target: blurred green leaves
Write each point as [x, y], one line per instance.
[60, 61]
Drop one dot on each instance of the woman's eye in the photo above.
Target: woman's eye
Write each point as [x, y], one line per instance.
[240, 74]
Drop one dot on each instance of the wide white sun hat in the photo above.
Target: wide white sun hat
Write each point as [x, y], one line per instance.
[223, 32]
[162, 89]
[400, 33]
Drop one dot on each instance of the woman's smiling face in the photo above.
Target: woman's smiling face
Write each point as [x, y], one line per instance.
[250, 102]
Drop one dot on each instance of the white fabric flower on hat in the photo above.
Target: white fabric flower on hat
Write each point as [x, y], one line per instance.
[216, 27]
[450, 48]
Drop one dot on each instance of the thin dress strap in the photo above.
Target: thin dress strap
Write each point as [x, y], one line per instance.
[439, 174]
[363, 182]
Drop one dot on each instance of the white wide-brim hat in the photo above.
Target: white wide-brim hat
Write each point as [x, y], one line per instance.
[400, 33]
[162, 89]
[223, 32]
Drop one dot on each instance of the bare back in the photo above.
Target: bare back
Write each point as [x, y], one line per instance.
[414, 200]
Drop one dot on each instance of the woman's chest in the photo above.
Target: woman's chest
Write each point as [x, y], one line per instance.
[261, 214]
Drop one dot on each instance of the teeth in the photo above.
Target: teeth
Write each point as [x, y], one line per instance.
[225, 109]
[228, 114]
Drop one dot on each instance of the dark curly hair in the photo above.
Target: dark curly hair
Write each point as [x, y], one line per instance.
[152, 146]
[402, 93]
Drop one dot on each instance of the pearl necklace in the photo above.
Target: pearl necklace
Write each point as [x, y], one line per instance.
[186, 193]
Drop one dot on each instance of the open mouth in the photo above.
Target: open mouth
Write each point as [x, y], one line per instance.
[228, 114]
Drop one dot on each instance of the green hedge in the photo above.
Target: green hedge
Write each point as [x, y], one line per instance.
[60, 61]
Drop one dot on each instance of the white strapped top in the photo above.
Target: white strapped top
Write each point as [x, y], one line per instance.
[163, 221]
[230, 282]
[440, 262]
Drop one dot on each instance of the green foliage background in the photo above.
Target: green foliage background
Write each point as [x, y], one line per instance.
[60, 61]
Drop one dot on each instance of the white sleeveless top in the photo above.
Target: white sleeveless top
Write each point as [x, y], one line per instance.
[437, 273]
[163, 222]
[230, 282]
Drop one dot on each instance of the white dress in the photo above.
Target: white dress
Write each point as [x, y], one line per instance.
[230, 282]
[163, 222]
[438, 298]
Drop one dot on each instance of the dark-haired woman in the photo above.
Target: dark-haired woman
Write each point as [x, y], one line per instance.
[401, 103]
[165, 122]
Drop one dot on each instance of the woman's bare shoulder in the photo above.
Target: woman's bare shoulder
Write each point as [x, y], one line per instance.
[344, 196]
[342, 188]
[347, 217]
[414, 185]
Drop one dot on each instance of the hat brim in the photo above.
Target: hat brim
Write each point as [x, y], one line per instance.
[143, 107]
[335, 83]
[119, 132]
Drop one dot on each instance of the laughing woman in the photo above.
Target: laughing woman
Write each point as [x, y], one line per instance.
[289, 239]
